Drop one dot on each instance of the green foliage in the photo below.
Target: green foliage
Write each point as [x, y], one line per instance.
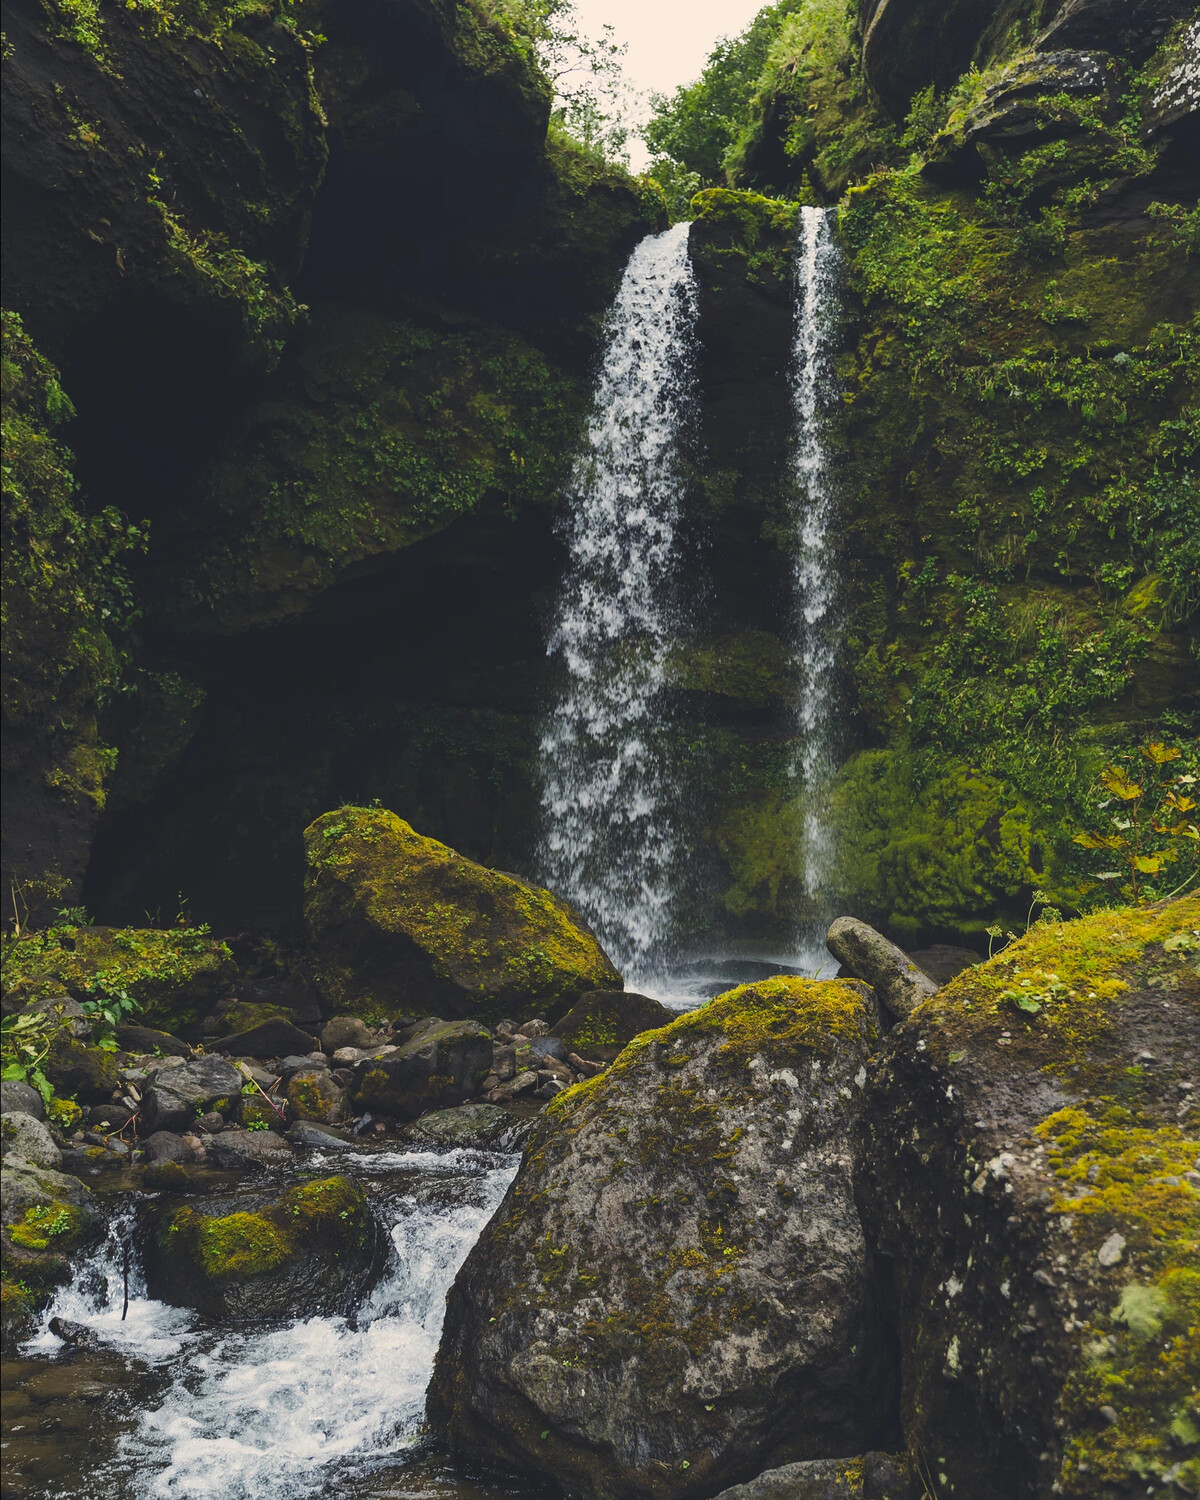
[1148, 811]
[68, 606]
[698, 125]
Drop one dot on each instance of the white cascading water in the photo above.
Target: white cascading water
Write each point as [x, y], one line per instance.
[307, 1410]
[813, 390]
[610, 806]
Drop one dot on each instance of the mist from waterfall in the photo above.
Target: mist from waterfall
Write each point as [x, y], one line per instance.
[815, 568]
[611, 808]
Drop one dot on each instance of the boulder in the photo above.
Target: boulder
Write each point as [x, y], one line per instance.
[305, 1064]
[177, 1096]
[17, 1096]
[46, 1217]
[866, 954]
[271, 1038]
[346, 1031]
[314, 1135]
[874, 1476]
[308, 1251]
[1028, 1182]
[164, 1146]
[145, 1039]
[90, 1074]
[676, 1292]
[602, 1022]
[442, 1066]
[313, 1095]
[484, 1126]
[24, 1136]
[69, 1014]
[400, 922]
[249, 1151]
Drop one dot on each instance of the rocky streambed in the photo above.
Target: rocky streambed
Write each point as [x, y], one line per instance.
[923, 1228]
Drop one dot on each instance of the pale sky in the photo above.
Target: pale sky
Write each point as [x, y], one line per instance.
[668, 39]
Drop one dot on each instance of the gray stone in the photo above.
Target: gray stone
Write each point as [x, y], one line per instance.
[271, 1038]
[677, 1286]
[72, 1015]
[178, 1096]
[314, 1095]
[603, 1022]
[17, 1096]
[312, 1133]
[480, 1125]
[298, 1064]
[441, 1066]
[346, 1031]
[144, 1039]
[242, 1150]
[550, 1046]
[165, 1145]
[24, 1185]
[899, 984]
[874, 1476]
[25, 1136]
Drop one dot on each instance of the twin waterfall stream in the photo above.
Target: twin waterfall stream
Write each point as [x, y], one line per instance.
[335, 1405]
[616, 807]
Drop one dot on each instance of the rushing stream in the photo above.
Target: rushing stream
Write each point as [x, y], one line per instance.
[323, 1404]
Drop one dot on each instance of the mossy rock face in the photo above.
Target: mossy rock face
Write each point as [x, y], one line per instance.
[308, 1251]
[676, 1293]
[398, 922]
[1028, 1182]
[601, 1023]
[440, 1067]
[47, 1218]
[176, 975]
[90, 1074]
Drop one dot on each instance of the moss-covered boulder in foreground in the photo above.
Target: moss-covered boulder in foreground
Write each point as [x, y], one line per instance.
[675, 1295]
[1029, 1184]
[46, 1217]
[310, 1250]
[175, 975]
[401, 922]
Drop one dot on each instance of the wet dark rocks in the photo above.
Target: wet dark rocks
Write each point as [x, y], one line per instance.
[17, 1095]
[443, 1065]
[248, 1150]
[176, 1097]
[270, 1038]
[144, 1039]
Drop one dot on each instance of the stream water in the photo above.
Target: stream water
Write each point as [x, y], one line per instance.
[166, 1406]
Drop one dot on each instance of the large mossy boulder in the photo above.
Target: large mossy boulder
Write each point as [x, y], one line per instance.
[676, 1293]
[176, 975]
[1029, 1182]
[401, 922]
[307, 1251]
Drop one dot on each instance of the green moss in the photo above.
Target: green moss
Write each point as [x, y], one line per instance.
[757, 233]
[57, 1227]
[174, 975]
[484, 931]
[380, 432]
[234, 1247]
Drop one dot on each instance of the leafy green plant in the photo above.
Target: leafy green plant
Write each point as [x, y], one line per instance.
[1148, 822]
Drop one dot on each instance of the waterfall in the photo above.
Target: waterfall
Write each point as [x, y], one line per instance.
[816, 623]
[610, 806]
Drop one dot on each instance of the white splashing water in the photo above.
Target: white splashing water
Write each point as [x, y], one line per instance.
[816, 561]
[610, 836]
[301, 1411]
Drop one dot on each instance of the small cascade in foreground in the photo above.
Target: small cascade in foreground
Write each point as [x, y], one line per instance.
[610, 805]
[816, 593]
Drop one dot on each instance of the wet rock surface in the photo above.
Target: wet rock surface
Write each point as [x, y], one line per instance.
[867, 955]
[21, 1135]
[443, 1065]
[676, 1292]
[309, 1250]
[1028, 1181]
[874, 1476]
[178, 1096]
[602, 1022]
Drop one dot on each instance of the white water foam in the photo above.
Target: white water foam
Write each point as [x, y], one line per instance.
[610, 839]
[294, 1412]
[815, 569]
